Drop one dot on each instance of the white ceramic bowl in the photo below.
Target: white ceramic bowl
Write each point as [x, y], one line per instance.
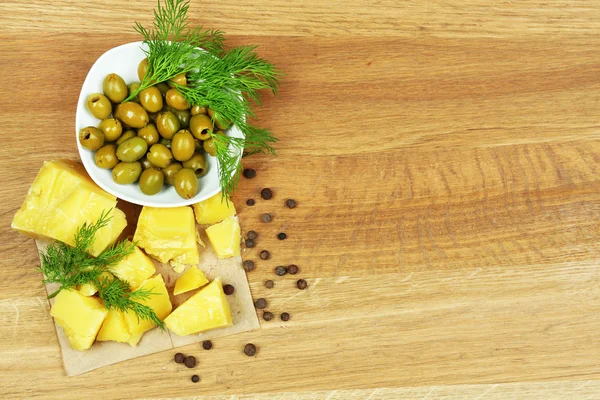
[123, 60]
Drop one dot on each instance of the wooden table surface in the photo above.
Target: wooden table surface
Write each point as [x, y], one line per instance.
[445, 158]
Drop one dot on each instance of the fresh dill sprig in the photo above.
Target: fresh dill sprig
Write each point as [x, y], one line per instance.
[228, 82]
[71, 266]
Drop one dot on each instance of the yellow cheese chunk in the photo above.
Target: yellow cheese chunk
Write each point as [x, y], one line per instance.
[213, 210]
[192, 279]
[134, 269]
[159, 301]
[89, 289]
[114, 328]
[80, 317]
[60, 200]
[207, 309]
[225, 237]
[169, 235]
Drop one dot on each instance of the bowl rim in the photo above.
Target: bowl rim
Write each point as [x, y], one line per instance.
[147, 201]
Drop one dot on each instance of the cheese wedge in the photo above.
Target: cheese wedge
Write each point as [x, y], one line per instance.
[159, 301]
[134, 269]
[169, 235]
[225, 237]
[80, 317]
[207, 309]
[192, 279]
[61, 199]
[213, 210]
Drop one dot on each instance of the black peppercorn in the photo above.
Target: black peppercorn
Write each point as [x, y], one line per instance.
[195, 378]
[292, 269]
[290, 203]
[179, 357]
[248, 265]
[252, 235]
[250, 202]
[281, 236]
[228, 289]
[207, 345]
[190, 361]
[266, 218]
[267, 315]
[269, 284]
[281, 270]
[260, 303]
[250, 350]
[301, 284]
[249, 173]
[250, 243]
[265, 255]
[285, 316]
[266, 194]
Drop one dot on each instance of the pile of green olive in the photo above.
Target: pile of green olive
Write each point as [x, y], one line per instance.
[157, 138]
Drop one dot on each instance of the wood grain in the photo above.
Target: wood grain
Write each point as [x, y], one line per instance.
[445, 159]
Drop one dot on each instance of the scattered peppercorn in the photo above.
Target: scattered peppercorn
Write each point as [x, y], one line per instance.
[265, 255]
[285, 316]
[249, 173]
[250, 202]
[250, 243]
[301, 284]
[252, 235]
[267, 315]
[190, 361]
[260, 303]
[281, 236]
[228, 289]
[290, 203]
[248, 265]
[250, 350]
[292, 269]
[207, 345]
[266, 194]
[195, 378]
[269, 284]
[179, 357]
[266, 218]
[281, 270]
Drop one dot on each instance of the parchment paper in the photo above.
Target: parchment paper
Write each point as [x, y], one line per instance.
[106, 353]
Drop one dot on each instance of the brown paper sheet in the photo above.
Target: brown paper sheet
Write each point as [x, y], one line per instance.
[106, 353]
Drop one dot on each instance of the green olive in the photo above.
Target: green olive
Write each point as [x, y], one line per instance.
[149, 133]
[126, 172]
[132, 114]
[198, 144]
[183, 145]
[180, 79]
[114, 88]
[171, 171]
[163, 87]
[106, 156]
[91, 138]
[145, 163]
[112, 129]
[186, 183]
[142, 69]
[182, 115]
[98, 105]
[132, 149]
[151, 181]
[176, 100]
[128, 134]
[131, 88]
[197, 164]
[201, 126]
[165, 142]
[167, 124]
[198, 110]
[219, 121]
[160, 156]
[209, 147]
[151, 99]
